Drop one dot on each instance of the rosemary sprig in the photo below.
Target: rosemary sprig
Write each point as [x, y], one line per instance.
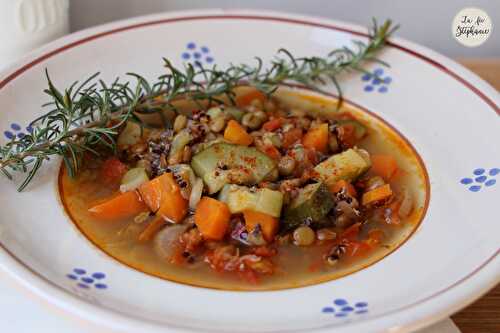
[90, 114]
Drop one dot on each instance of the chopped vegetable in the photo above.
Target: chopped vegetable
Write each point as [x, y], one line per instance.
[359, 130]
[271, 151]
[247, 98]
[379, 194]
[212, 218]
[406, 205]
[130, 134]
[311, 204]
[122, 206]
[317, 138]
[272, 124]
[214, 112]
[163, 196]
[384, 165]
[348, 165]
[374, 182]
[235, 133]
[180, 140]
[112, 170]
[343, 185]
[351, 233]
[153, 227]
[196, 192]
[268, 224]
[241, 198]
[292, 136]
[235, 113]
[165, 241]
[224, 163]
[133, 179]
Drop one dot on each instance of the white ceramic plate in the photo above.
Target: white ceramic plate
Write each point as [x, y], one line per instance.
[449, 115]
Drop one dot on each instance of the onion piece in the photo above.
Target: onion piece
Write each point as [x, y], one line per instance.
[196, 192]
[165, 240]
[406, 204]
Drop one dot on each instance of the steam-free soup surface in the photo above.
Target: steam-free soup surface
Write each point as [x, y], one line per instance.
[250, 245]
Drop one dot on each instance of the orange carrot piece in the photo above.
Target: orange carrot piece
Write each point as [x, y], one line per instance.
[272, 124]
[163, 196]
[384, 165]
[212, 218]
[122, 206]
[246, 99]
[235, 133]
[268, 223]
[317, 138]
[153, 227]
[341, 185]
[378, 194]
[292, 136]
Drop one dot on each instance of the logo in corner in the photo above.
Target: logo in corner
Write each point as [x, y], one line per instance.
[471, 27]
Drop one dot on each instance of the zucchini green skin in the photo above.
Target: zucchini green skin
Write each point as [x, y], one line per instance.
[225, 163]
[348, 165]
[263, 200]
[312, 204]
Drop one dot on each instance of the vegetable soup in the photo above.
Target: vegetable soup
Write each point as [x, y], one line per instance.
[261, 194]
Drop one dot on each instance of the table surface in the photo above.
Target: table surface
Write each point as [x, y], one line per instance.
[483, 316]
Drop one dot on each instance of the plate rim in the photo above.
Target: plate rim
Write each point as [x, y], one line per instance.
[37, 283]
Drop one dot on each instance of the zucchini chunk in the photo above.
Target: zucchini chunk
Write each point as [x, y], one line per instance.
[241, 198]
[312, 204]
[224, 163]
[348, 165]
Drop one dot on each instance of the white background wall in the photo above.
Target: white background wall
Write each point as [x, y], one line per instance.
[424, 21]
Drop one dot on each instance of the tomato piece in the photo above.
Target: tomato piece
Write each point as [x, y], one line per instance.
[272, 124]
[348, 135]
[112, 170]
[292, 136]
[352, 232]
[272, 152]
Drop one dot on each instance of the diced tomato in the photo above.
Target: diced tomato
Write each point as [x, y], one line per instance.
[272, 124]
[312, 156]
[348, 135]
[272, 152]
[352, 232]
[112, 170]
[292, 136]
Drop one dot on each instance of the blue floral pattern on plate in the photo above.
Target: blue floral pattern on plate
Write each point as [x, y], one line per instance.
[15, 130]
[341, 308]
[197, 55]
[481, 178]
[376, 81]
[86, 280]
